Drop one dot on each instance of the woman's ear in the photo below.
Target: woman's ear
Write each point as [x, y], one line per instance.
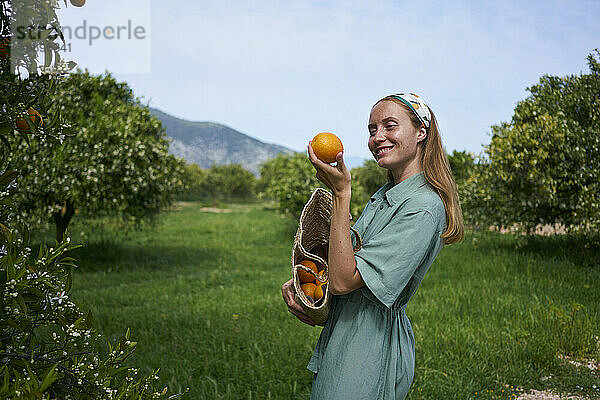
[422, 134]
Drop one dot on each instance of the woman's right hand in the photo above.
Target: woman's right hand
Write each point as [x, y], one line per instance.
[288, 292]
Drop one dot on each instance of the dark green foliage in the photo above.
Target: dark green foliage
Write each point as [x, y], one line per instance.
[462, 165]
[543, 167]
[117, 163]
[223, 182]
[366, 180]
[289, 180]
[48, 346]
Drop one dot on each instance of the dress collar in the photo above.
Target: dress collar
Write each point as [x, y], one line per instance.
[401, 191]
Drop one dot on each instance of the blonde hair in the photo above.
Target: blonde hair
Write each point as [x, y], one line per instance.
[437, 171]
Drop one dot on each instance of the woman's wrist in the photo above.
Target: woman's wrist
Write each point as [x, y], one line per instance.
[343, 195]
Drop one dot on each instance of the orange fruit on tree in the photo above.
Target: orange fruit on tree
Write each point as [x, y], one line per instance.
[309, 289]
[36, 118]
[307, 276]
[4, 46]
[326, 146]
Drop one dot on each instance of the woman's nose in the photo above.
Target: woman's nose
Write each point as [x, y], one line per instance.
[379, 136]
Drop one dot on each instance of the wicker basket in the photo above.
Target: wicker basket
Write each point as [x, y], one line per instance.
[311, 242]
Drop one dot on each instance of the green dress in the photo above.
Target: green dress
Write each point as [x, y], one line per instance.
[366, 349]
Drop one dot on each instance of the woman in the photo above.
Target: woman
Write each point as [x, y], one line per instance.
[366, 348]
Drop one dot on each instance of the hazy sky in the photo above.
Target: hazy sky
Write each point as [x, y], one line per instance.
[282, 71]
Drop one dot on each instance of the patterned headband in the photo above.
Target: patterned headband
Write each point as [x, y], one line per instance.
[416, 104]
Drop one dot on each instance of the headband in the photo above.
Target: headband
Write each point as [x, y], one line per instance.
[416, 104]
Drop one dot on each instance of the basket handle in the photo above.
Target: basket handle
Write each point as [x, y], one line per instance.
[358, 240]
[356, 248]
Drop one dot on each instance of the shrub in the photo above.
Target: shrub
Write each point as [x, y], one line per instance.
[47, 343]
[224, 182]
[289, 180]
[366, 180]
[116, 164]
[543, 167]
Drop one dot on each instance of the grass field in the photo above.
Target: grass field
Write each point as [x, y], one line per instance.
[202, 295]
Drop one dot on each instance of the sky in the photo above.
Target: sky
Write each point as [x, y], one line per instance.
[283, 71]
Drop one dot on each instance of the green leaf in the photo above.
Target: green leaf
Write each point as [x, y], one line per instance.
[7, 177]
[62, 321]
[25, 234]
[49, 285]
[22, 304]
[41, 250]
[47, 56]
[59, 31]
[5, 128]
[5, 231]
[69, 282]
[5, 141]
[35, 291]
[10, 271]
[80, 323]
[26, 138]
[13, 324]
[50, 377]
[5, 380]
[89, 320]
[33, 67]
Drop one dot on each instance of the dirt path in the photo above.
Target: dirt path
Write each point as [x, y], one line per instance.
[216, 210]
[546, 395]
[540, 395]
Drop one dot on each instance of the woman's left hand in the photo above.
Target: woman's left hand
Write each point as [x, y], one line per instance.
[337, 178]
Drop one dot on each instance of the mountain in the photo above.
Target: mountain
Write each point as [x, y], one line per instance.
[205, 143]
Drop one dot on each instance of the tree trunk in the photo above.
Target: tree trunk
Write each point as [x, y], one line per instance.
[62, 219]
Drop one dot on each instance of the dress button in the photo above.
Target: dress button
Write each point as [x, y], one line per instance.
[381, 207]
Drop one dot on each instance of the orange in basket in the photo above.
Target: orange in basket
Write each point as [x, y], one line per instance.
[309, 289]
[304, 276]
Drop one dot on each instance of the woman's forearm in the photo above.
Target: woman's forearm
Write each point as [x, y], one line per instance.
[342, 265]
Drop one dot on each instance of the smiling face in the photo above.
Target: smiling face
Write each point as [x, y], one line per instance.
[393, 140]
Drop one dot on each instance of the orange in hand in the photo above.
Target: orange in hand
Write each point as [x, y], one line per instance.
[307, 276]
[326, 146]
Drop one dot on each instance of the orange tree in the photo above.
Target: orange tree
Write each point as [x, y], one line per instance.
[219, 182]
[462, 165]
[369, 177]
[117, 163]
[366, 180]
[543, 167]
[289, 179]
[46, 342]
